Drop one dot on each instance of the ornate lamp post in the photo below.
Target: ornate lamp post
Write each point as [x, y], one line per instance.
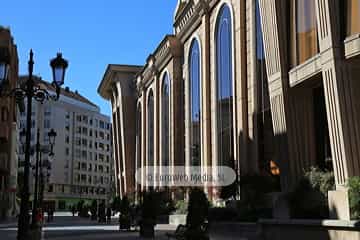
[28, 92]
[46, 165]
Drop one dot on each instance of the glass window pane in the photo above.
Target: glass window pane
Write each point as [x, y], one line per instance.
[138, 137]
[353, 17]
[195, 102]
[224, 87]
[151, 130]
[306, 30]
[165, 120]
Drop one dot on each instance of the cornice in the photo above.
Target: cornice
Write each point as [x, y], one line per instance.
[191, 15]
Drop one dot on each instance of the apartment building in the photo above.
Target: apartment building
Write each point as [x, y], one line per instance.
[82, 167]
[8, 128]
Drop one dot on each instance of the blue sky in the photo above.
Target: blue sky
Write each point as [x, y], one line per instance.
[90, 34]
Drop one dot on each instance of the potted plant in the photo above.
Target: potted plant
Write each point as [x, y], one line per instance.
[149, 212]
[125, 214]
[196, 219]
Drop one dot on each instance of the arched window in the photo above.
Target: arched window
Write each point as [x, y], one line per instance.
[195, 103]
[224, 80]
[150, 119]
[138, 137]
[165, 113]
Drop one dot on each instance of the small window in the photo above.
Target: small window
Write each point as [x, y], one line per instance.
[67, 151]
[47, 123]
[47, 111]
[4, 114]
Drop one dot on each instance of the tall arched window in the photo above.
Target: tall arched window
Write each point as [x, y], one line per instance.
[138, 137]
[195, 103]
[224, 80]
[165, 112]
[150, 119]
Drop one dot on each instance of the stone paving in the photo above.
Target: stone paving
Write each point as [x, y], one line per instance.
[65, 226]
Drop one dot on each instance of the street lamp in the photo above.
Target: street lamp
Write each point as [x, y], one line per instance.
[29, 91]
[46, 165]
[52, 135]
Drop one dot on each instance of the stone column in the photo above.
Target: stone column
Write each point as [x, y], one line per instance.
[143, 138]
[157, 99]
[114, 127]
[290, 108]
[121, 136]
[274, 46]
[206, 97]
[242, 89]
[341, 96]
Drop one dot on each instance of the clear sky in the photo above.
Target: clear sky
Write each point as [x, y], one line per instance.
[90, 34]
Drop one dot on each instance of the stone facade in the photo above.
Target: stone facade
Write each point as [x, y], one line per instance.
[8, 130]
[295, 97]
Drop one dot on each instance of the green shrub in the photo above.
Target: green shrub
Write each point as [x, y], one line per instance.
[354, 196]
[308, 199]
[324, 181]
[166, 204]
[181, 207]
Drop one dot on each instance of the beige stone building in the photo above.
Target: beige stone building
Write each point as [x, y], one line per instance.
[82, 165]
[260, 85]
[8, 129]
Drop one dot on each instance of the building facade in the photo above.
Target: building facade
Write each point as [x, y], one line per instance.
[82, 167]
[263, 86]
[8, 130]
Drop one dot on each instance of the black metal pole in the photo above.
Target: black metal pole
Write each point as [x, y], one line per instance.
[23, 222]
[41, 198]
[34, 222]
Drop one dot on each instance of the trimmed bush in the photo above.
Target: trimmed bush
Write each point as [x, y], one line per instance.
[309, 200]
[354, 196]
[181, 207]
[166, 204]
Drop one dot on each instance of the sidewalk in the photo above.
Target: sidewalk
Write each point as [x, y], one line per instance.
[11, 222]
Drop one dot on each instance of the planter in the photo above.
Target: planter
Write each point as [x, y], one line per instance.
[177, 219]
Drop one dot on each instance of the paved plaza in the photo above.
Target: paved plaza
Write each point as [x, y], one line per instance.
[68, 227]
